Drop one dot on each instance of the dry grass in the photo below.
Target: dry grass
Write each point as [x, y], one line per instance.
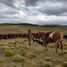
[64, 64]
[22, 55]
[18, 58]
[58, 66]
[33, 56]
[48, 59]
[46, 64]
[24, 28]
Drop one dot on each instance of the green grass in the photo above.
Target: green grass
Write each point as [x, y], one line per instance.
[8, 53]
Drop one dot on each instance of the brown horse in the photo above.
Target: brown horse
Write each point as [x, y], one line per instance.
[53, 37]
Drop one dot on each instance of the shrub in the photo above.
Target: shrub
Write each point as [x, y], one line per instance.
[8, 53]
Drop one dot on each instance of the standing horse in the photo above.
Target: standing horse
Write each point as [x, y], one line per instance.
[53, 37]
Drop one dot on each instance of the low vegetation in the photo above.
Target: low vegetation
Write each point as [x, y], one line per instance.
[23, 55]
[8, 53]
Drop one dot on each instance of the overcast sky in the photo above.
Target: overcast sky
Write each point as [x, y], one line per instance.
[34, 11]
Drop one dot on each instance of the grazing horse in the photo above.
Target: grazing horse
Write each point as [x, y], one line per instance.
[53, 37]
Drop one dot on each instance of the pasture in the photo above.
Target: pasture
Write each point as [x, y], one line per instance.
[16, 52]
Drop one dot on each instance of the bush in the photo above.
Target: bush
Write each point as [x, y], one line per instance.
[8, 53]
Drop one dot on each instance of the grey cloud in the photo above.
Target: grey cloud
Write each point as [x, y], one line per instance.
[37, 7]
[50, 10]
[8, 2]
[35, 1]
[64, 14]
[30, 2]
[54, 10]
[8, 12]
[63, 22]
[58, 9]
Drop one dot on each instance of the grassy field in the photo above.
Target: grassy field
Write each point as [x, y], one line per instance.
[24, 28]
[19, 54]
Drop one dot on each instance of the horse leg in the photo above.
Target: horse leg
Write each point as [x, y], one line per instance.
[61, 46]
[57, 46]
[45, 45]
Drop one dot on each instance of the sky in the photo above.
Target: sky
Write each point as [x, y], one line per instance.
[34, 11]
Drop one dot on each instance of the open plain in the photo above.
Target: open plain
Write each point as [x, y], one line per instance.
[16, 52]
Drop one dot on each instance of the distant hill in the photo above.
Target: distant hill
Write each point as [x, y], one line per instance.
[18, 24]
[29, 24]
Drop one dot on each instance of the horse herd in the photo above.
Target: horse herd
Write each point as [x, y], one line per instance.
[13, 35]
[43, 38]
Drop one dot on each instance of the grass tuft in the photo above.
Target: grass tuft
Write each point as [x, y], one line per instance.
[8, 53]
[47, 58]
[18, 58]
[31, 56]
[46, 64]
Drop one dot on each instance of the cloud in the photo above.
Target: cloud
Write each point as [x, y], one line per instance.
[53, 7]
[30, 2]
[8, 2]
[34, 11]
[12, 3]
[50, 7]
